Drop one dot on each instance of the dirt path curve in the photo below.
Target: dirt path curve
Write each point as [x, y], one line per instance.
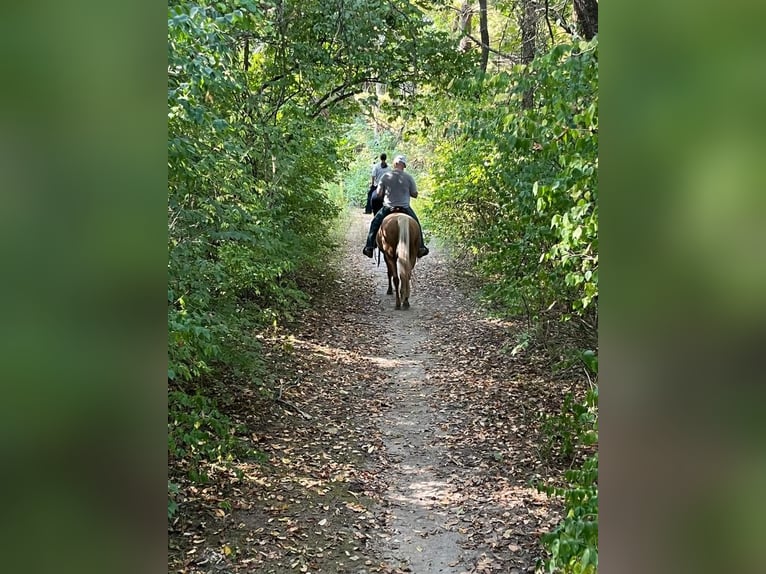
[394, 441]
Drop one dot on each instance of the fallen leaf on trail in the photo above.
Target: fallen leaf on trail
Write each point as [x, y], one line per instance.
[484, 564]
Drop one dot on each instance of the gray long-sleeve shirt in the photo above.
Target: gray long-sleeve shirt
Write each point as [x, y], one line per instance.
[377, 172]
[397, 187]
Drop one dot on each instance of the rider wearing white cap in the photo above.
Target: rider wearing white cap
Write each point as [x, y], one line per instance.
[397, 187]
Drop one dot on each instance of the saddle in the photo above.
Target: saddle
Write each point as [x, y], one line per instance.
[397, 209]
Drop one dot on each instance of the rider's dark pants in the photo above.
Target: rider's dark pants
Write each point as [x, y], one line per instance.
[378, 220]
[368, 207]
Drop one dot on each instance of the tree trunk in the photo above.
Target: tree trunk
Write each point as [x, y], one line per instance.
[587, 17]
[528, 39]
[463, 23]
[484, 31]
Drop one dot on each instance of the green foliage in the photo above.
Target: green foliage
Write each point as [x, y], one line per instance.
[364, 146]
[172, 504]
[575, 426]
[573, 546]
[590, 360]
[258, 103]
[199, 434]
[243, 196]
[517, 187]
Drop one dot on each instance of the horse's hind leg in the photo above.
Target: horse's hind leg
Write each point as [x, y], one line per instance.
[405, 291]
[390, 268]
[398, 298]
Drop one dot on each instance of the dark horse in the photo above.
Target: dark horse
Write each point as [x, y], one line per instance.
[398, 240]
[374, 203]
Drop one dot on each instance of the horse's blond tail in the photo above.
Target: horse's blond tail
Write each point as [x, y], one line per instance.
[403, 262]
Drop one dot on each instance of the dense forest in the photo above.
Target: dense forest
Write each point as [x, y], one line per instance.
[277, 111]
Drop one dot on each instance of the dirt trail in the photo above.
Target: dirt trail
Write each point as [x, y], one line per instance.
[419, 500]
[428, 492]
[402, 441]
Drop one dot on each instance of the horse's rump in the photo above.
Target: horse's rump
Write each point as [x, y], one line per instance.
[398, 239]
[399, 234]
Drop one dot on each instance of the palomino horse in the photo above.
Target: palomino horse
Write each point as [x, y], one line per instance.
[398, 239]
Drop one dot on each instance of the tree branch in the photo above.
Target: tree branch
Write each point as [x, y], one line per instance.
[548, 21]
[336, 100]
[508, 57]
[280, 400]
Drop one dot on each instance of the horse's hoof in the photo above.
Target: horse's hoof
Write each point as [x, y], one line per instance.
[390, 292]
[398, 306]
[406, 305]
